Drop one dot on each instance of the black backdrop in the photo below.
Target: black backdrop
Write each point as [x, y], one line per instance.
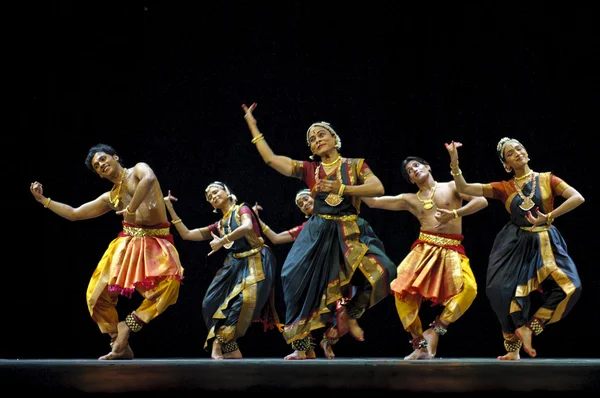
[163, 83]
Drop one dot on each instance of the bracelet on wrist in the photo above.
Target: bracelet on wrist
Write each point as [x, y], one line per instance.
[341, 190]
[47, 203]
[455, 213]
[456, 174]
[176, 221]
[131, 213]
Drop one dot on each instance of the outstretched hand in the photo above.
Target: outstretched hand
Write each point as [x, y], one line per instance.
[215, 244]
[248, 116]
[257, 208]
[170, 198]
[453, 150]
[36, 190]
[539, 220]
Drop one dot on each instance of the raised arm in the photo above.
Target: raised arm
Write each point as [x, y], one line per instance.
[198, 234]
[473, 189]
[277, 238]
[92, 209]
[473, 205]
[282, 164]
[387, 202]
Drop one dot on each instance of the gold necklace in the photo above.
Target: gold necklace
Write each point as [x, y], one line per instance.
[428, 203]
[117, 197]
[523, 176]
[332, 163]
[527, 202]
[332, 199]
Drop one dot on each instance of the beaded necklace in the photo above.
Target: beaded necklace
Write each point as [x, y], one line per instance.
[527, 202]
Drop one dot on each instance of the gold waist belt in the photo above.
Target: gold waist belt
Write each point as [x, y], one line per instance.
[249, 252]
[540, 228]
[438, 240]
[350, 217]
[141, 232]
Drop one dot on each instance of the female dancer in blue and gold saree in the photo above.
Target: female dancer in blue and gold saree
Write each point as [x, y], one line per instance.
[337, 253]
[529, 253]
[242, 290]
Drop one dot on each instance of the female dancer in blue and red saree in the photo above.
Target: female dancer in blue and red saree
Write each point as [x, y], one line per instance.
[529, 253]
[336, 252]
[242, 291]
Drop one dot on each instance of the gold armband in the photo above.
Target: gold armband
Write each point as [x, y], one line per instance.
[257, 138]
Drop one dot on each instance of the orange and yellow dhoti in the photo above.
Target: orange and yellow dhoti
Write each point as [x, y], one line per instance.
[140, 259]
[436, 270]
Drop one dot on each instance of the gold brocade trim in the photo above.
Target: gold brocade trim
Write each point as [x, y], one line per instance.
[545, 188]
[550, 269]
[350, 217]
[248, 290]
[248, 253]
[562, 187]
[509, 201]
[141, 232]
[438, 240]
[540, 228]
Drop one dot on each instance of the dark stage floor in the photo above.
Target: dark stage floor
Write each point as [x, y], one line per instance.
[162, 376]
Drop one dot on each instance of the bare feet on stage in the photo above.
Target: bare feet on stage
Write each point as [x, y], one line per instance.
[510, 356]
[217, 352]
[237, 354]
[432, 341]
[296, 356]
[327, 349]
[120, 347]
[355, 330]
[419, 353]
[525, 334]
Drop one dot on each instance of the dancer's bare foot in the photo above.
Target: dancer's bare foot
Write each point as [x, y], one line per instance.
[296, 356]
[237, 354]
[217, 352]
[127, 353]
[120, 347]
[355, 330]
[510, 356]
[310, 354]
[525, 334]
[327, 348]
[419, 353]
[432, 341]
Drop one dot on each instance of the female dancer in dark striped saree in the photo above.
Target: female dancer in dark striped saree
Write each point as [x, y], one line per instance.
[242, 291]
[336, 250]
[529, 253]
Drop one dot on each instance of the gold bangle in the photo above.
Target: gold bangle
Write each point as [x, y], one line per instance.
[131, 213]
[549, 219]
[47, 203]
[458, 173]
[341, 190]
[176, 221]
[455, 213]
[226, 237]
[257, 138]
[264, 228]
